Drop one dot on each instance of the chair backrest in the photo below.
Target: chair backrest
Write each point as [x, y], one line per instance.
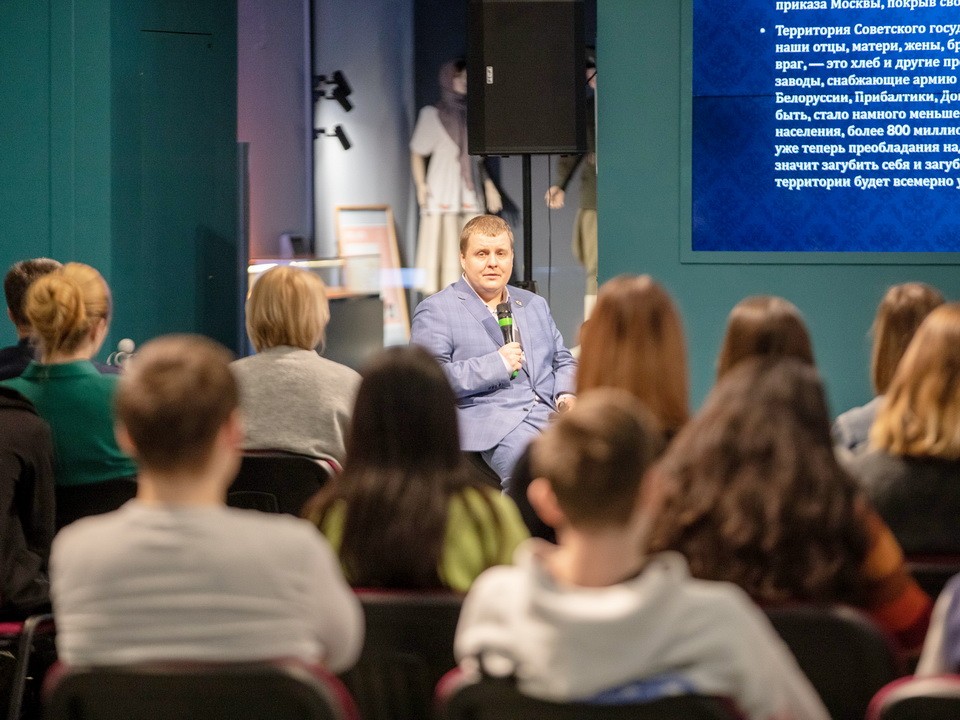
[846, 657]
[276, 482]
[923, 698]
[78, 501]
[407, 649]
[212, 691]
[932, 572]
[498, 698]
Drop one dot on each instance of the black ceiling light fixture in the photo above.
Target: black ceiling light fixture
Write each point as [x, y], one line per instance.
[339, 89]
[337, 132]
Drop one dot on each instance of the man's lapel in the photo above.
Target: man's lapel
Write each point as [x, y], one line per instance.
[475, 306]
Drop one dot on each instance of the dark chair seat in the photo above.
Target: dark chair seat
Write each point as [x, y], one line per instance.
[932, 572]
[846, 657]
[205, 691]
[499, 699]
[927, 698]
[277, 482]
[407, 648]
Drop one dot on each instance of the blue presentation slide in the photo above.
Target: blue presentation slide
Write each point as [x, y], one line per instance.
[826, 125]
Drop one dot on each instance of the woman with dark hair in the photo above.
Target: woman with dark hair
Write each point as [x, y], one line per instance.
[633, 341]
[407, 512]
[755, 495]
[764, 325]
[899, 315]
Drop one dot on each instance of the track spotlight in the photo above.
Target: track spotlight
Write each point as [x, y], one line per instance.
[337, 132]
[340, 92]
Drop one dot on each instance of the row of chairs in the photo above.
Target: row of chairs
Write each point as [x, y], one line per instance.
[409, 648]
[288, 691]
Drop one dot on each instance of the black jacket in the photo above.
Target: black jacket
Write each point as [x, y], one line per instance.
[26, 504]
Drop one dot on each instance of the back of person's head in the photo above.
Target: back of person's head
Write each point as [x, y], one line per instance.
[634, 341]
[486, 226]
[754, 493]
[596, 455]
[18, 279]
[64, 305]
[403, 466]
[287, 306]
[172, 400]
[899, 315]
[920, 414]
[766, 326]
[405, 415]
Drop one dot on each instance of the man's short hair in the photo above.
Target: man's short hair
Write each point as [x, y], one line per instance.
[486, 225]
[173, 398]
[596, 455]
[18, 279]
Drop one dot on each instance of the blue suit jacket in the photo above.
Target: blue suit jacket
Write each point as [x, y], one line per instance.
[457, 328]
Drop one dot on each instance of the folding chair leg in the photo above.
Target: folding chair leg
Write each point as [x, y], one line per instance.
[22, 667]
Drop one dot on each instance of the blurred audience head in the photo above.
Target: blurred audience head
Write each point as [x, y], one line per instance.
[595, 457]
[899, 315]
[764, 326]
[15, 284]
[173, 400]
[634, 341]
[403, 467]
[405, 414]
[754, 493]
[920, 414]
[69, 310]
[287, 306]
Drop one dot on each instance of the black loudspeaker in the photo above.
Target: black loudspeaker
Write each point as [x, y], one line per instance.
[526, 77]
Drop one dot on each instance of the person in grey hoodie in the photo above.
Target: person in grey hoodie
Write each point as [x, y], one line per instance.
[596, 620]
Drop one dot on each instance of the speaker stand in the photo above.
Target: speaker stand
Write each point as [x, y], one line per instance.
[527, 283]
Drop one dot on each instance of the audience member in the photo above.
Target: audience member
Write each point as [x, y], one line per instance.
[597, 620]
[69, 310]
[899, 315]
[15, 358]
[633, 341]
[177, 575]
[292, 398]
[767, 326]
[506, 392]
[755, 495]
[912, 470]
[26, 506]
[406, 512]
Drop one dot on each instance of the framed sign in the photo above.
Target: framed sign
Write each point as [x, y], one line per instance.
[366, 230]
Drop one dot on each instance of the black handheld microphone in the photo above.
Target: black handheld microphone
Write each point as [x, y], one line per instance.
[505, 321]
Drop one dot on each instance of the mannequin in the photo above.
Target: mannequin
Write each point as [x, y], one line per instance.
[585, 225]
[447, 187]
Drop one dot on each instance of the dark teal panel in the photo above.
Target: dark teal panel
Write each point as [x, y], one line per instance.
[174, 145]
[644, 177]
[24, 138]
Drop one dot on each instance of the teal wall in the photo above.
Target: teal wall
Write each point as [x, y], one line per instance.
[642, 135]
[118, 133]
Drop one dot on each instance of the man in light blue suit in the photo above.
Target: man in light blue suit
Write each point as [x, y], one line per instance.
[506, 393]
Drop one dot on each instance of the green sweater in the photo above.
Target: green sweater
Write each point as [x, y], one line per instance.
[77, 402]
[466, 544]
